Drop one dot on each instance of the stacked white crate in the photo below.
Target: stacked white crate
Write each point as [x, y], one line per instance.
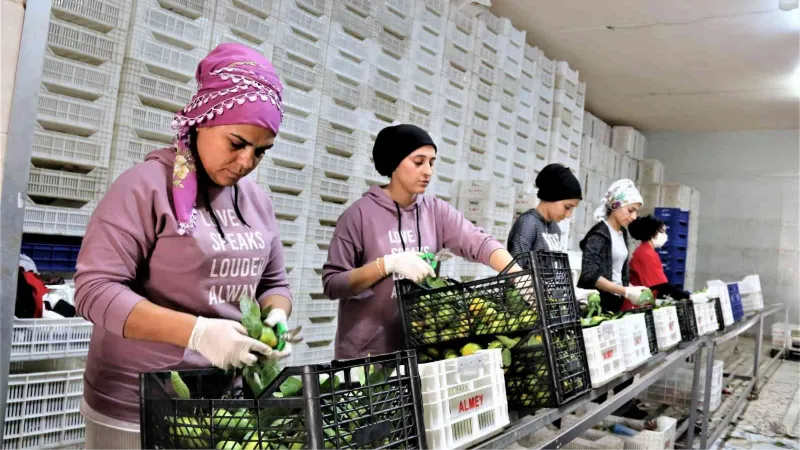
[567, 127]
[544, 93]
[83, 55]
[525, 126]
[157, 76]
[489, 205]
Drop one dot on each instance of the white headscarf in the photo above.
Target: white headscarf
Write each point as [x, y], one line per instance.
[620, 193]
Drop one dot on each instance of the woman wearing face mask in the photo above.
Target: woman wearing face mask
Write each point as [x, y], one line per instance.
[379, 238]
[605, 248]
[646, 268]
[176, 241]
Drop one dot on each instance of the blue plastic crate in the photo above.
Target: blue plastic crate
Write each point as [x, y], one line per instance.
[52, 257]
[673, 263]
[736, 301]
[672, 216]
[672, 253]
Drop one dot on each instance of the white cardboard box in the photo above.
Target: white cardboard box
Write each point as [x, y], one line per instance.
[651, 171]
[674, 195]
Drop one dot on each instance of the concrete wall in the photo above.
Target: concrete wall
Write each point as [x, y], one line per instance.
[749, 185]
[11, 12]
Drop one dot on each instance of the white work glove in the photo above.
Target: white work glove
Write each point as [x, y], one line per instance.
[409, 265]
[582, 295]
[633, 293]
[275, 317]
[225, 343]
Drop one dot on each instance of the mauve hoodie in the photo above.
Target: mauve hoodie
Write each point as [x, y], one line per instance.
[369, 323]
[132, 250]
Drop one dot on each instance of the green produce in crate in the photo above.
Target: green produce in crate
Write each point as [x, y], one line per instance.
[646, 296]
[189, 432]
[228, 445]
[470, 349]
[450, 354]
[179, 386]
[495, 344]
[250, 441]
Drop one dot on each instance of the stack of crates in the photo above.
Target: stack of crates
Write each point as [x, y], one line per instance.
[543, 92]
[78, 94]
[488, 205]
[158, 76]
[525, 125]
[673, 253]
[567, 127]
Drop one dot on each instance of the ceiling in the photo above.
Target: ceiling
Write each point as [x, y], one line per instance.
[688, 65]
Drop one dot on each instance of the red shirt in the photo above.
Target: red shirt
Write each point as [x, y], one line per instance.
[646, 268]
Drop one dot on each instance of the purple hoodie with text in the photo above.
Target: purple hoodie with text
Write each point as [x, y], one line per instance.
[132, 251]
[375, 226]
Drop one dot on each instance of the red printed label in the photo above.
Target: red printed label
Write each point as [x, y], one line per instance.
[637, 340]
[608, 354]
[671, 326]
[470, 403]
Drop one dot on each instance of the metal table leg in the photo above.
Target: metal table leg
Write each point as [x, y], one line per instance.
[757, 357]
[711, 349]
[693, 407]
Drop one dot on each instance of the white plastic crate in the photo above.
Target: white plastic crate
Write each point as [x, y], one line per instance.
[294, 72]
[284, 179]
[464, 399]
[780, 331]
[675, 388]
[254, 25]
[386, 84]
[663, 437]
[635, 345]
[72, 115]
[317, 7]
[292, 231]
[718, 289]
[317, 353]
[422, 99]
[355, 47]
[83, 44]
[318, 330]
[82, 79]
[341, 115]
[292, 257]
[706, 317]
[668, 331]
[57, 184]
[312, 308]
[86, 152]
[300, 102]
[312, 22]
[455, 83]
[300, 47]
[477, 211]
[331, 189]
[148, 123]
[449, 151]
[445, 169]
[289, 206]
[395, 16]
[340, 139]
[167, 94]
[590, 440]
[447, 129]
[128, 149]
[357, 16]
[313, 256]
[604, 352]
[383, 107]
[750, 290]
[44, 410]
[416, 117]
[56, 220]
[298, 127]
[290, 153]
[457, 56]
[325, 211]
[183, 30]
[35, 339]
[476, 159]
[334, 165]
[427, 37]
[441, 188]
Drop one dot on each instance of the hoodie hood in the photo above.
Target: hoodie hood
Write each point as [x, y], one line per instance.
[165, 156]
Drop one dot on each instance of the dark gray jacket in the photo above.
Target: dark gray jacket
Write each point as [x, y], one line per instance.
[596, 263]
[531, 232]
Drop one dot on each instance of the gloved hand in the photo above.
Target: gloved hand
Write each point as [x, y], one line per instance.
[582, 295]
[277, 319]
[225, 343]
[634, 293]
[409, 265]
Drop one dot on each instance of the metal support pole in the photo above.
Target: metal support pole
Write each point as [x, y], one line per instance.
[711, 350]
[16, 165]
[757, 356]
[693, 407]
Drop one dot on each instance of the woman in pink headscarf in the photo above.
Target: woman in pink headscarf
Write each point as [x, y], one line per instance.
[177, 240]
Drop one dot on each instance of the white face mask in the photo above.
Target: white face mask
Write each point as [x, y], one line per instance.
[660, 240]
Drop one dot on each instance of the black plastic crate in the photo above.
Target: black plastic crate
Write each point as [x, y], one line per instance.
[718, 310]
[503, 304]
[686, 320]
[651, 328]
[375, 403]
[549, 373]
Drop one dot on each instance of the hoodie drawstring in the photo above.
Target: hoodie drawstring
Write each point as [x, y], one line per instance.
[400, 225]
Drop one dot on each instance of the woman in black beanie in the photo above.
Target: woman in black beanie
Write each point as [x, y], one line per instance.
[537, 229]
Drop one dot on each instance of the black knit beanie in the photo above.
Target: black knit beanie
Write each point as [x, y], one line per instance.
[396, 142]
[556, 182]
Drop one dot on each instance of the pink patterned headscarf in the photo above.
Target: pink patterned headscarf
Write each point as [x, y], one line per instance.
[235, 85]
